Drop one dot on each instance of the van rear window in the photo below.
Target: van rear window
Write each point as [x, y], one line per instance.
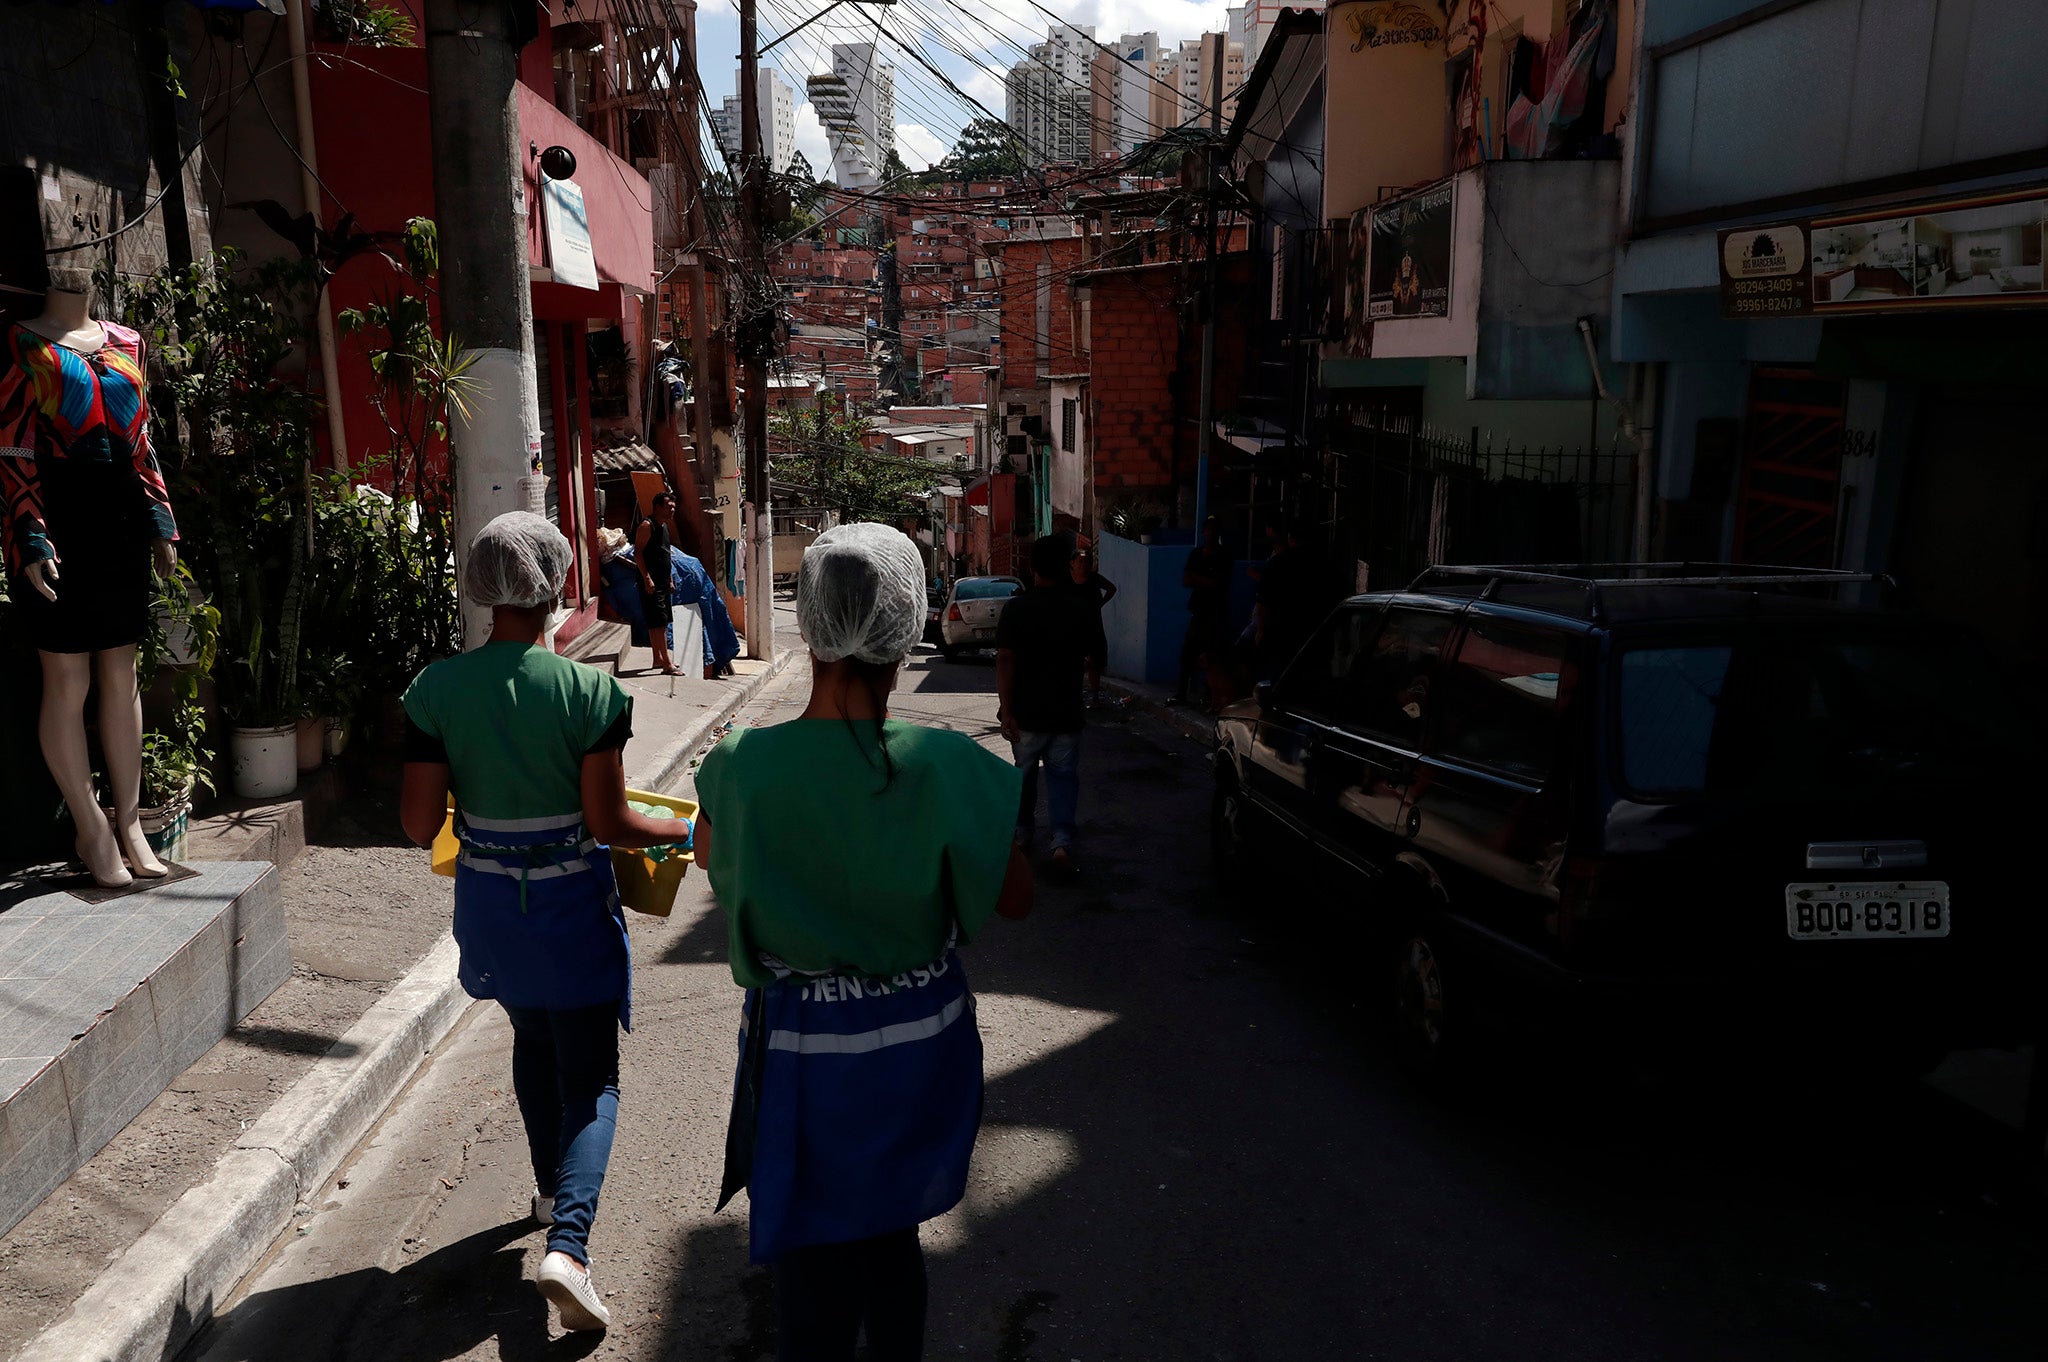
[1784, 714]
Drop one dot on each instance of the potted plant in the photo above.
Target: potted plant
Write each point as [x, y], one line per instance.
[183, 636]
[174, 766]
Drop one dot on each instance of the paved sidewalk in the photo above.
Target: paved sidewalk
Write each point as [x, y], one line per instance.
[131, 1237]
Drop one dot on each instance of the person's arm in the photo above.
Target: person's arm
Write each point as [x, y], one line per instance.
[1108, 589]
[1189, 577]
[423, 801]
[700, 841]
[1006, 676]
[610, 818]
[1014, 902]
[640, 538]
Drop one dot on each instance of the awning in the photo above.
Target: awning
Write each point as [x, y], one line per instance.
[1259, 438]
[1285, 76]
[628, 457]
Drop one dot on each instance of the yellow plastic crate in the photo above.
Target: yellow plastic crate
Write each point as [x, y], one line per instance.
[645, 884]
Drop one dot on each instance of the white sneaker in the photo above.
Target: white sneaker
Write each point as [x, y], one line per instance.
[566, 1282]
[543, 1209]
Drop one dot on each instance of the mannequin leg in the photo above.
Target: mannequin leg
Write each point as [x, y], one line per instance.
[121, 740]
[66, 679]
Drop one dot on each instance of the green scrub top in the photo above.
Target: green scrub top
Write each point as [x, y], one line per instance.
[516, 720]
[829, 863]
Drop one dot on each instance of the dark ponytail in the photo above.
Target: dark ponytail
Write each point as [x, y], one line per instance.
[873, 677]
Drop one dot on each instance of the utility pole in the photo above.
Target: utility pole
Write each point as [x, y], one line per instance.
[756, 339]
[694, 227]
[486, 298]
[1205, 431]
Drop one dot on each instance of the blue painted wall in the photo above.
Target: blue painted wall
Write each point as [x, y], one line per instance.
[1145, 621]
[1149, 617]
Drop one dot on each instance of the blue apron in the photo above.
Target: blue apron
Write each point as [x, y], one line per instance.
[856, 1105]
[538, 917]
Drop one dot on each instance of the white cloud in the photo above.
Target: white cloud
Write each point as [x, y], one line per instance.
[812, 142]
[918, 146]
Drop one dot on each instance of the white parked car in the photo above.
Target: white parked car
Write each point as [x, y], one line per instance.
[972, 608]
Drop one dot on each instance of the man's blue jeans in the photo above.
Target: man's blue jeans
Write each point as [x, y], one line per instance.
[1061, 753]
[565, 1072]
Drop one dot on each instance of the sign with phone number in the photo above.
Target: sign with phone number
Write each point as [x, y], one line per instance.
[1765, 272]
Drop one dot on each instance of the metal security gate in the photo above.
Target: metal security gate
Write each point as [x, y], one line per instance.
[550, 458]
[1407, 497]
[1785, 510]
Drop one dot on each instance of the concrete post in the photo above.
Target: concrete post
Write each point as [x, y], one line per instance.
[1205, 432]
[756, 335]
[486, 293]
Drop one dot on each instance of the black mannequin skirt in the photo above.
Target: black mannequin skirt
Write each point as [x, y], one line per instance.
[105, 581]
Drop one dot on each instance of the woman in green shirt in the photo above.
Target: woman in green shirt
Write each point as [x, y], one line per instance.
[529, 744]
[852, 851]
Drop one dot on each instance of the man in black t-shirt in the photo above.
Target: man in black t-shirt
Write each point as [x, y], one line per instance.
[1047, 641]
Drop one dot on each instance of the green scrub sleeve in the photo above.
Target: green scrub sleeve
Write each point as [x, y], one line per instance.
[983, 791]
[608, 702]
[416, 705]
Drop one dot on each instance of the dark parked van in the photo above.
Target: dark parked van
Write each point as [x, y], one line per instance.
[1679, 801]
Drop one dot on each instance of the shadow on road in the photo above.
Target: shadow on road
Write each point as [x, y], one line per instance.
[1227, 1165]
[438, 1306]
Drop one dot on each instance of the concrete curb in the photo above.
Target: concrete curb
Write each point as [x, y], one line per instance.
[672, 762]
[150, 1302]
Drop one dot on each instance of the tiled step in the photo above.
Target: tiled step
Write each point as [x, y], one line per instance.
[102, 1005]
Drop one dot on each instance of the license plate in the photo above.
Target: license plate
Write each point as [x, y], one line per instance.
[1860, 912]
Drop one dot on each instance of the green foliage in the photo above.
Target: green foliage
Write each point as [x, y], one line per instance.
[827, 461]
[386, 589]
[324, 595]
[987, 150]
[367, 24]
[175, 758]
[223, 342]
[1132, 518]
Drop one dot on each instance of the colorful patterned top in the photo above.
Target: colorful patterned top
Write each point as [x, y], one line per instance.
[56, 404]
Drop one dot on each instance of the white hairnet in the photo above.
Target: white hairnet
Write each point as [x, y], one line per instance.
[518, 559]
[860, 593]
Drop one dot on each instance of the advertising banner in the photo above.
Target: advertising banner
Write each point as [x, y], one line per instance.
[1410, 269]
[568, 224]
[1983, 251]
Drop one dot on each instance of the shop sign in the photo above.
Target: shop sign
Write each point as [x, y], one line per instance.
[1764, 272]
[568, 223]
[1981, 251]
[1396, 23]
[1410, 270]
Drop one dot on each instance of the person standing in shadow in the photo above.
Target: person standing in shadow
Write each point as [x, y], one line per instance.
[852, 853]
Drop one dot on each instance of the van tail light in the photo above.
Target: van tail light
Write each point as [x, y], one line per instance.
[953, 614]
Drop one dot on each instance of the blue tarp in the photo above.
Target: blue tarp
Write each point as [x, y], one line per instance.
[689, 584]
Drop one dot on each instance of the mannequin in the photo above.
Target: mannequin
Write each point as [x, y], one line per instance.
[87, 520]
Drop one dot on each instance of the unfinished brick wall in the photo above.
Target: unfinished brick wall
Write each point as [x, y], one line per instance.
[1135, 329]
[1022, 261]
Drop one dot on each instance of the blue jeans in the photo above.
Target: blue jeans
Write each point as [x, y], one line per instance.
[565, 1072]
[1061, 753]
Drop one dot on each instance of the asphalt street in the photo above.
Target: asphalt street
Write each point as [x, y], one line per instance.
[1194, 1147]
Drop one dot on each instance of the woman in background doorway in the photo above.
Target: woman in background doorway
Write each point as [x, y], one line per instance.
[650, 554]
